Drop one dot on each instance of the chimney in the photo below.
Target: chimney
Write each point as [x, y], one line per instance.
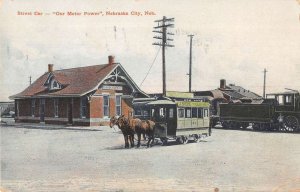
[222, 84]
[50, 67]
[111, 59]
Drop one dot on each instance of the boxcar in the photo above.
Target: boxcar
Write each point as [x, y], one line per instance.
[176, 120]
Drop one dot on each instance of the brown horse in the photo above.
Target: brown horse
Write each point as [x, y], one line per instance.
[149, 129]
[145, 127]
[123, 124]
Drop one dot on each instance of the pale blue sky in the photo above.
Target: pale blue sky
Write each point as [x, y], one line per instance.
[234, 39]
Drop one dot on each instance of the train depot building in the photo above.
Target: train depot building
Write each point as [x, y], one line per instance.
[83, 96]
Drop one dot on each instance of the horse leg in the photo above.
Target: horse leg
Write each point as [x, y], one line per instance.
[139, 139]
[151, 137]
[144, 136]
[126, 141]
[132, 140]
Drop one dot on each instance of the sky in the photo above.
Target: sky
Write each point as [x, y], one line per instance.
[233, 40]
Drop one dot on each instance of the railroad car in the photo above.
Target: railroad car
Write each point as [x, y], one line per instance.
[175, 120]
[279, 111]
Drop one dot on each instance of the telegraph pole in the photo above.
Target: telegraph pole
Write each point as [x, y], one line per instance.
[264, 91]
[163, 24]
[29, 80]
[190, 69]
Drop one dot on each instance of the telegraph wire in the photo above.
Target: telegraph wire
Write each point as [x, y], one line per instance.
[150, 66]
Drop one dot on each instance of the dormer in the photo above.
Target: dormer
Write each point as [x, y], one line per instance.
[51, 83]
[54, 85]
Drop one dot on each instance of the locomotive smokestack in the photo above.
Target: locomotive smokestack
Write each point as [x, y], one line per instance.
[222, 84]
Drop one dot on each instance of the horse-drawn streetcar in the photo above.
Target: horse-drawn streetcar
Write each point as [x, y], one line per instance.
[176, 120]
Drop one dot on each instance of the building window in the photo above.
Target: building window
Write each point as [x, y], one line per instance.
[106, 105]
[32, 107]
[118, 105]
[55, 107]
[83, 103]
[288, 99]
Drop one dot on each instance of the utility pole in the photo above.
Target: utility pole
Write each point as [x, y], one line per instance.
[163, 24]
[264, 91]
[190, 69]
[29, 80]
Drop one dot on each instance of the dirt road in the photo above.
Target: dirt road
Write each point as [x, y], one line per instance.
[94, 160]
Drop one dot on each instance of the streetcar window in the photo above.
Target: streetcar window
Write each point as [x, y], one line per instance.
[200, 113]
[146, 113]
[137, 112]
[161, 112]
[205, 112]
[152, 112]
[180, 113]
[171, 113]
[188, 113]
[194, 112]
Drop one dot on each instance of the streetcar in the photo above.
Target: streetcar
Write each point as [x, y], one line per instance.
[180, 120]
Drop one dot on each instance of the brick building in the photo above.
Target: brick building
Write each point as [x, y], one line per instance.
[78, 96]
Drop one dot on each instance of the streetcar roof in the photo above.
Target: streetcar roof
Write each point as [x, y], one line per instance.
[161, 102]
[180, 103]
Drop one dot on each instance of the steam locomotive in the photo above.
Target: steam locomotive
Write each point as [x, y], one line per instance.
[279, 112]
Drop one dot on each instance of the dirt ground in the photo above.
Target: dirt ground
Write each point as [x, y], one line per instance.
[43, 159]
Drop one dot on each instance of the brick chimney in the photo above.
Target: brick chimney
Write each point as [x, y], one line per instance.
[50, 67]
[222, 84]
[111, 59]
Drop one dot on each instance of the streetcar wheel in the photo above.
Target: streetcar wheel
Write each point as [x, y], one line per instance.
[197, 138]
[185, 139]
[164, 141]
[290, 123]
[179, 140]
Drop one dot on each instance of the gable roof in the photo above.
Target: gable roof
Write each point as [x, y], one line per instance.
[243, 92]
[75, 81]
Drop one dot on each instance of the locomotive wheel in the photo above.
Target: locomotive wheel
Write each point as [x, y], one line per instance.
[290, 123]
[256, 126]
[245, 125]
[225, 125]
[234, 125]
